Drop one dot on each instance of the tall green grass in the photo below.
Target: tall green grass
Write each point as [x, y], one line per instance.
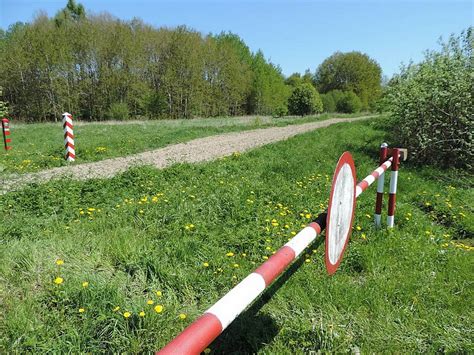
[404, 290]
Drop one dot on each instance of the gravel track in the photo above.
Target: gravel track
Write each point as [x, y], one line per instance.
[197, 150]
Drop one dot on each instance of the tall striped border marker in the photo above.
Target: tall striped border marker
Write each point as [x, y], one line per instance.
[392, 197]
[70, 154]
[380, 183]
[6, 133]
[203, 331]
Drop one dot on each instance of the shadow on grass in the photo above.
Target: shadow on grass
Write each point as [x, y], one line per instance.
[252, 330]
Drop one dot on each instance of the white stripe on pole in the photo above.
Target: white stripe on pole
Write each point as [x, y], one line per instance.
[390, 221]
[300, 241]
[358, 191]
[237, 299]
[380, 183]
[370, 179]
[393, 181]
[378, 220]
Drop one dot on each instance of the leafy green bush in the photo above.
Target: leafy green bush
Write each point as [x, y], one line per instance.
[348, 102]
[118, 111]
[432, 105]
[305, 100]
[281, 111]
[352, 71]
[329, 105]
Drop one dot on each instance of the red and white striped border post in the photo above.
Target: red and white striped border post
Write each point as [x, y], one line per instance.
[380, 183]
[197, 336]
[393, 188]
[69, 137]
[6, 133]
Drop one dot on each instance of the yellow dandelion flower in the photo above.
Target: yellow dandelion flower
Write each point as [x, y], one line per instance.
[58, 280]
[127, 314]
[59, 262]
[308, 260]
[206, 264]
[91, 209]
[150, 302]
[81, 310]
[265, 257]
[182, 316]
[141, 314]
[229, 254]
[158, 308]
[364, 237]
[236, 265]
[81, 212]
[308, 215]
[244, 255]
[159, 293]
[359, 228]
[116, 309]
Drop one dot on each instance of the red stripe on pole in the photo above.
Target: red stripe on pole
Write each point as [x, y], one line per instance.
[195, 338]
[274, 266]
[70, 135]
[8, 140]
[316, 227]
[396, 159]
[363, 185]
[391, 204]
[378, 203]
[7, 133]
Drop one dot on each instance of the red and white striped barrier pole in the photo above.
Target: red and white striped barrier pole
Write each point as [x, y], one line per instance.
[369, 179]
[380, 183]
[69, 137]
[197, 336]
[393, 188]
[6, 133]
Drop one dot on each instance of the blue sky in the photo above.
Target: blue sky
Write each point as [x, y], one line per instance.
[296, 34]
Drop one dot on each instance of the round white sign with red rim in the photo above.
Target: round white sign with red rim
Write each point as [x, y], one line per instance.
[340, 211]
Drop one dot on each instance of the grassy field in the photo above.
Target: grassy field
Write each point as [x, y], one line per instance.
[170, 243]
[40, 146]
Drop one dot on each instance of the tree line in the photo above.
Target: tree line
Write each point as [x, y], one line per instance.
[99, 67]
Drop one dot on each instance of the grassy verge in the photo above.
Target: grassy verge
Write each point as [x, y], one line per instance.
[40, 146]
[170, 243]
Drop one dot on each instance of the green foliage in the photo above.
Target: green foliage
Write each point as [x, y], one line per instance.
[281, 111]
[85, 63]
[353, 71]
[268, 90]
[3, 105]
[348, 102]
[432, 105]
[131, 236]
[304, 100]
[118, 111]
[329, 105]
